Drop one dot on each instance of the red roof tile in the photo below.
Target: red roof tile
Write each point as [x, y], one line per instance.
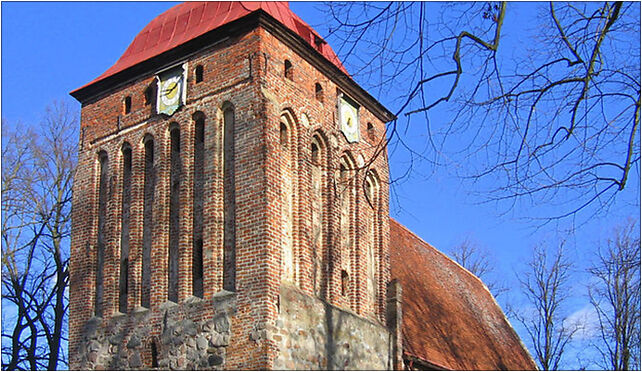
[189, 20]
[450, 319]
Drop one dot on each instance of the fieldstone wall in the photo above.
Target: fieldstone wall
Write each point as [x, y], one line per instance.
[312, 335]
[192, 335]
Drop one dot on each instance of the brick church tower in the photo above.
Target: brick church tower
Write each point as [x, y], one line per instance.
[231, 202]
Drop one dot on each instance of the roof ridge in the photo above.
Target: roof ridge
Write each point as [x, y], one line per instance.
[212, 16]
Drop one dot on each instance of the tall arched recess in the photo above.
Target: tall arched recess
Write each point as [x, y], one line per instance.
[319, 207]
[372, 240]
[149, 185]
[287, 170]
[229, 198]
[123, 281]
[347, 198]
[174, 211]
[198, 189]
[103, 191]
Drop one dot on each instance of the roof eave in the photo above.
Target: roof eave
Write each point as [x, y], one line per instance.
[316, 59]
[424, 362]
[100, 88]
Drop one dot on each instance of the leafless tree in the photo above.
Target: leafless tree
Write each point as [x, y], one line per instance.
[478, 261]
[543, 115]
[37, 175]
[545, 284]
[615, 296]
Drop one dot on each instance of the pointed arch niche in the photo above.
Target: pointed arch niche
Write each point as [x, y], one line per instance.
[198, 189]
[372, 241]
[174, 211]
[123, 281]
[347, 197]
[319, 212]
[149, 185]
[287, 149]
[103, 196]
[229, 198]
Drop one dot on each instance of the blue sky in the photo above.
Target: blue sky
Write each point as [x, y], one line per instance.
[50, 48]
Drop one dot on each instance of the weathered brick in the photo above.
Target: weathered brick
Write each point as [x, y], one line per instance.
[245, 72]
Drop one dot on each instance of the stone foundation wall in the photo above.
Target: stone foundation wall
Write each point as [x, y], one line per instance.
[192, 335]
[312, 335]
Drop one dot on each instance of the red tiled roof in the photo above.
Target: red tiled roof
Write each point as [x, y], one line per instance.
[189, 20]
[450, 319]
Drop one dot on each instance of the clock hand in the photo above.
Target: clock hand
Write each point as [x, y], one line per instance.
[168, 91]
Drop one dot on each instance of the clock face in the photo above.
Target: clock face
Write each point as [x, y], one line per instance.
[349, 120]
[170, 90]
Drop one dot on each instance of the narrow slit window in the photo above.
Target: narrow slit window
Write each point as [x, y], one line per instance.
[148, 203]
[283, 135]
[100, 241]
[288, 70]
[174, 214]
[371, 131]
[124, 230]
[315, 154]
[150, 95]
[154, 354]
[345, 280]
[197, 241]
[318, 92]
[127, 105]
[198, 73]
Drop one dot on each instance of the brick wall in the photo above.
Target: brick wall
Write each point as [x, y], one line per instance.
[298, 96]
[245, 73]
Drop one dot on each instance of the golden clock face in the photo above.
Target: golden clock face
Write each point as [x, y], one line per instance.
[170, 91]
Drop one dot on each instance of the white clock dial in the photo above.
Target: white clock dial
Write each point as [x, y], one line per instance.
[171, 91]
[349, 120]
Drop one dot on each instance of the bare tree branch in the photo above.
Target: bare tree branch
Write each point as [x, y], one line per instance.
[532, 118]
[37, 177]
[478, 261]
[546, 286]
[615, 296]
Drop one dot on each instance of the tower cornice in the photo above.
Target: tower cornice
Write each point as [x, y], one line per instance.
[259, 18]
